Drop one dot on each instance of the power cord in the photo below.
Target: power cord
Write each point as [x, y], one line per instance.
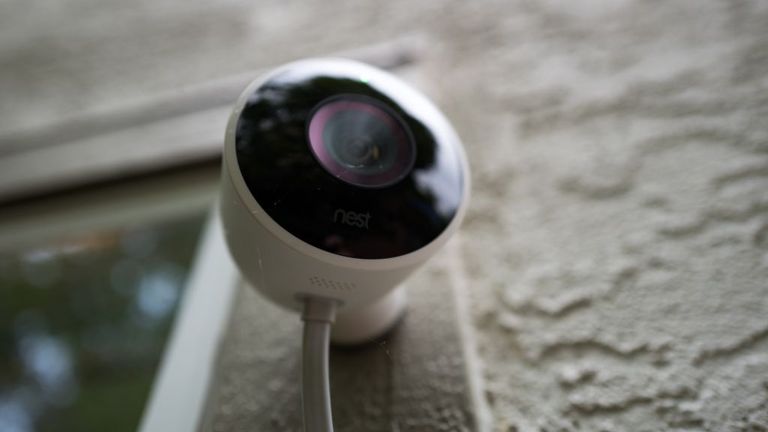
[318, 316]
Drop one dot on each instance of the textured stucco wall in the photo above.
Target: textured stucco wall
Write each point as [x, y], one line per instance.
[616, 252]
[618, 239]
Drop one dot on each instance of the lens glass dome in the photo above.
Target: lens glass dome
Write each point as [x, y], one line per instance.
[360, 141]
[348, 159]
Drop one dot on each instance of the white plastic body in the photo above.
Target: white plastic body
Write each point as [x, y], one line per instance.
[287, 269]
[367, 323]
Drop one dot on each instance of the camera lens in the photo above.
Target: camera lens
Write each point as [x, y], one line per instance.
[360, 141]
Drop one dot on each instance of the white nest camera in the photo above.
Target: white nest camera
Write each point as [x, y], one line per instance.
[339, 180]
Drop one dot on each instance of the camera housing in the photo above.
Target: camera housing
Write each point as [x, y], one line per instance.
[338, 181]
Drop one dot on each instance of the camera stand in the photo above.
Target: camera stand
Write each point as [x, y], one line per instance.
[371, 322]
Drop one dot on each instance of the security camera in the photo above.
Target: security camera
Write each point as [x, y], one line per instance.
[339, 180]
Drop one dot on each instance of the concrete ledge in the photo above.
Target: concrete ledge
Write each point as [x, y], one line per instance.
[413, 380]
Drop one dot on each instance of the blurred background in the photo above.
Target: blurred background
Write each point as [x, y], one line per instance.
[615, 256]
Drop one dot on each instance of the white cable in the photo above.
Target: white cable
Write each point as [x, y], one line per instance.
[318, 316]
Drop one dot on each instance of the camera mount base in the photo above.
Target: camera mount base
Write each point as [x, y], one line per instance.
[366, 324]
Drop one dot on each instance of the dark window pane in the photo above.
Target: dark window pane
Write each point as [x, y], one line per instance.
[83, 324]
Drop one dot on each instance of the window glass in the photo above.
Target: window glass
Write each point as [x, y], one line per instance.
[83, 323]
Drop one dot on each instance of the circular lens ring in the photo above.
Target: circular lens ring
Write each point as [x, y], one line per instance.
[405, 155]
